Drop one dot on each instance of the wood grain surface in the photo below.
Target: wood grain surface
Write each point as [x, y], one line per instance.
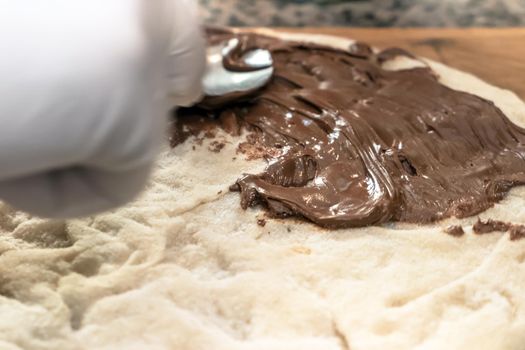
[495, 55]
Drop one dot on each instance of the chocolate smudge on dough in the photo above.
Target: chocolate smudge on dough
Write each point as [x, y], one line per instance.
[351, 144]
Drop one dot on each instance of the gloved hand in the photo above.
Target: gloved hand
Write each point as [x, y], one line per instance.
[83, 97]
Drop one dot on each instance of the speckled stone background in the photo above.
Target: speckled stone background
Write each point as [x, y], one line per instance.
[365, 13]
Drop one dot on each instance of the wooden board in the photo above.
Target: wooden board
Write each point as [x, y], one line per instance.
[495, 55]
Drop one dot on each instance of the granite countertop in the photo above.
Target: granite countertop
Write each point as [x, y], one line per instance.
[365, 13]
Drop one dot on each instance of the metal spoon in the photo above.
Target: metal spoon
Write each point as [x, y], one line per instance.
[219, 81]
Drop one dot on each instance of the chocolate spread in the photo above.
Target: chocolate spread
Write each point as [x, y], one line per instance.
[351, 144]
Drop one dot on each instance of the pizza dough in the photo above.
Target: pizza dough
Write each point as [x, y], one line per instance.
[184, 267]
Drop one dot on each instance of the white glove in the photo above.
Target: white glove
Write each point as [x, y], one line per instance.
[83, 88]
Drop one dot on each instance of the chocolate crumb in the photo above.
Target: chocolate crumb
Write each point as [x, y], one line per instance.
[455, 230]
[219, 192]
[210, 134]
[216, 146]
[193, 148]
[261, 222]
[288, 229]
[482, 227]
[517, 232]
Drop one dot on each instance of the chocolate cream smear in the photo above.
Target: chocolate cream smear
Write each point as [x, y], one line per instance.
[351, 144]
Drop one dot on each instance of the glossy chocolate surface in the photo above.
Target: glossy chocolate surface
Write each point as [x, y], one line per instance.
[351, 144]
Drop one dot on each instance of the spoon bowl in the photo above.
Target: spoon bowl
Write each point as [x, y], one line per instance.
[220, 81]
